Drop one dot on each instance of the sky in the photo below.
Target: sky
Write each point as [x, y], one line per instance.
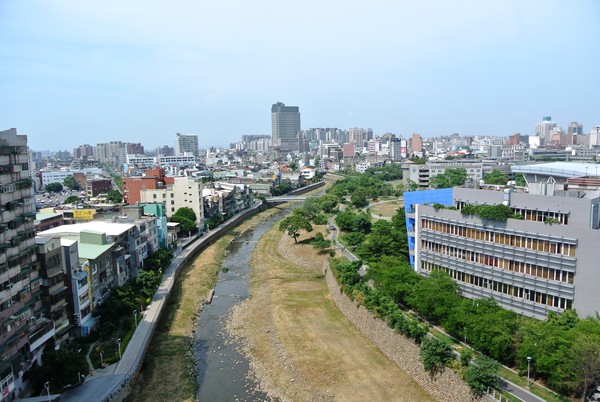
[76, 72]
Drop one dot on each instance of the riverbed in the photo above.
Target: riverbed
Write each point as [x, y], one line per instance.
[223, 373]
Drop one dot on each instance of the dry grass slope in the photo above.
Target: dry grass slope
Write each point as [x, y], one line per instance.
[302, 347]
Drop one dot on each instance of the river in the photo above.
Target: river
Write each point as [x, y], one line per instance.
[222, 370]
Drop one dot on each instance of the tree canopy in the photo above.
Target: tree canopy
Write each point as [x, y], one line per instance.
[187, 213]
[294, 223]
[495, 177]
[114, 197]
[70, 183]
[450, 178]
[54, 187]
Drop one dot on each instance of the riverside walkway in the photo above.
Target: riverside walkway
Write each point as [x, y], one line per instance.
[109, 383]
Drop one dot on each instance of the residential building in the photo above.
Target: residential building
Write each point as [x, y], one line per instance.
[544, 262]
[152, 180]
[95, 186]
[54, 299]
[186, 143]
[23, 328]
[416, 145]
[184, 192]
[285, 124]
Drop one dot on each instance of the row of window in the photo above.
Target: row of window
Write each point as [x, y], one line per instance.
[561, 218]
[530, 243]
[495, 286]
[498, 262]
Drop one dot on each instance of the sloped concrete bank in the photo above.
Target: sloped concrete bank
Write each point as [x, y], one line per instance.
[447, 387]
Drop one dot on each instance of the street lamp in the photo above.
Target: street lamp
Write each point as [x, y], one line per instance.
[135, 317]
[119, 345]
[47, 386]
[528, 366]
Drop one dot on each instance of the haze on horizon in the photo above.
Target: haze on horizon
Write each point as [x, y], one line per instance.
[78, 72]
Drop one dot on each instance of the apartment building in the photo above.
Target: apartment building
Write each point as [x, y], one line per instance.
[23, 328]
[184, 192]
[54, 298]
[547, 261]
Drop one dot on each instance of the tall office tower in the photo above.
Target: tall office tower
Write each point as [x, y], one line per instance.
[594, 137]
[186, 143]
[395, 149]
[416, 144]
[544, 128]
[22, 331]
[285, 124]
[575, 128]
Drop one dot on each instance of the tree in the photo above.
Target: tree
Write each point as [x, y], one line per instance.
[435, 297]
[187, 213]
[327, 202]
[495, 177]
[54, 187]
[585, 363]
[187, 225]
[114, 197]
[71, 183]
[450, 178]
[353, 239]
[294, 223]
[481, 374]
[436, 354]
[320, 243]
[520, 180]
[383, 240]
[359, 198]
[293, 166]
[70, 199]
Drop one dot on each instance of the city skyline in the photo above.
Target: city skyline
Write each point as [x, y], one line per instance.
[476, 69]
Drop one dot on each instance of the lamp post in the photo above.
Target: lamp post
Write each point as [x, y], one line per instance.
[119, 345]
[47, 386]
[135, 317]
[528, 366]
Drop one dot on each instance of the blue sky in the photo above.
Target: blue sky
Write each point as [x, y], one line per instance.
[74, 72]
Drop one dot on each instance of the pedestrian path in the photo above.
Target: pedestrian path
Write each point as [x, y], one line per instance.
[106, 384]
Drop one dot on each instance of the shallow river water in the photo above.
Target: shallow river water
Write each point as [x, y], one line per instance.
[222, 370]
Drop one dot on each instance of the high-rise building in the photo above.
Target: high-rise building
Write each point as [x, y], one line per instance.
[544, 128]
[416, 145]
[575, 128]
[357, 137]
[186, 143]
[285, 124]
[23, 327]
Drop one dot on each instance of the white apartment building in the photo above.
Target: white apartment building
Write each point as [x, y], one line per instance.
[184, 192]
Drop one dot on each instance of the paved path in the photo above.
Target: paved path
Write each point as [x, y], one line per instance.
[105, 384]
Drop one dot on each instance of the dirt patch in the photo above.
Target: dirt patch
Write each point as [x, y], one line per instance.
[386, 209]
[301, 347]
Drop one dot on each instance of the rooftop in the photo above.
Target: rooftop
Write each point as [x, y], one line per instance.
[111, 229]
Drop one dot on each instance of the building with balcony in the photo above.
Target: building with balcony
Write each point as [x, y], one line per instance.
[545, 261]
[21, 338]
[55, 296]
